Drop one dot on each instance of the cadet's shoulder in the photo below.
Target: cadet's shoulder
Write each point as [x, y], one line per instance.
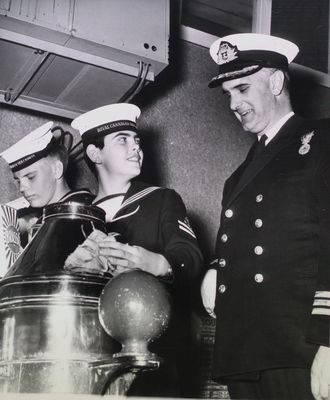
[161, 192]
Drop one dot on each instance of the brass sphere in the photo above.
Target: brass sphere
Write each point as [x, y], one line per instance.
[134, 308]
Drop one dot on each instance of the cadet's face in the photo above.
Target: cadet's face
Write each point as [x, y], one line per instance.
[122, 154]
[37, 182]
[252, 101]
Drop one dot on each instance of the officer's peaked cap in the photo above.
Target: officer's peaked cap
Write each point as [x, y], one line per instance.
[243, 54]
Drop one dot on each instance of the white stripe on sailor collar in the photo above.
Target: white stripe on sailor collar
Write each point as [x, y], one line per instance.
[139, 195]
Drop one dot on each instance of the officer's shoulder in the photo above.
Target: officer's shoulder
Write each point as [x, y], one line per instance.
[320, 125]
[320, 128]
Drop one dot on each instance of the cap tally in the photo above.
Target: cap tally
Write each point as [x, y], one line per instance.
[105, 120]
[30, 149]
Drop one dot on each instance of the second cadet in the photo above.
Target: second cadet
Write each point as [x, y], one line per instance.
[38, 163]
[152, 221]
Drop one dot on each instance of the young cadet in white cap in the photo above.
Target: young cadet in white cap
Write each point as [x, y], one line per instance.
[269, 286]
[155, 234]
[38, 163]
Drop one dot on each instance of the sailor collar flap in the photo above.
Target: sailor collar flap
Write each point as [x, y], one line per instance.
[135, 195]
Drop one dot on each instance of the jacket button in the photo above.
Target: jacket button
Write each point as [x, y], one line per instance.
[258, 278]
[222, 288]
[258, 250]
[224, 238]
[259, 198]
[222, 262]
[258, 223]
[229, 213]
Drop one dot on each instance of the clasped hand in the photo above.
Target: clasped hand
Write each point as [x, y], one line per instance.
[101, 253]
[123, 257]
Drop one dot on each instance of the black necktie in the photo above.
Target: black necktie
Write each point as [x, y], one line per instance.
[259, 146]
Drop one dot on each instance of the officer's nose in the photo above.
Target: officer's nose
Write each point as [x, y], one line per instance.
[235, 103]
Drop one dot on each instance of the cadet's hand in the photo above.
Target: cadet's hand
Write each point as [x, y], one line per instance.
[320, 374]
[208, 291]
[124, 257]
[86, 258]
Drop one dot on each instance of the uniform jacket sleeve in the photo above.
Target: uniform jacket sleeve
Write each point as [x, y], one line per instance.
[179, 240]
[319, 328]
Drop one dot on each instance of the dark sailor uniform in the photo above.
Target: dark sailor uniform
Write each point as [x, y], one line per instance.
[156, 219]
[273, 255]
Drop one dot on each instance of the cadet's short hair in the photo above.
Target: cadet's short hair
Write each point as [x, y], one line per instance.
[99, 143]
[59, 152]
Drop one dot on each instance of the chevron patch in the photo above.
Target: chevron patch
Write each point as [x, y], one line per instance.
[185, 226]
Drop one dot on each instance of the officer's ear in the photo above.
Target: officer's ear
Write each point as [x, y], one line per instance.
[93, 153]
[276, 82]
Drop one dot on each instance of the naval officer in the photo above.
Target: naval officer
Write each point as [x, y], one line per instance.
[269, 286]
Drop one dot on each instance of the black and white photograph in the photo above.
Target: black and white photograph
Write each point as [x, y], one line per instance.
[165, 199]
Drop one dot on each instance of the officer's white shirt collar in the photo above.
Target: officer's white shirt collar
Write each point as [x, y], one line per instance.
[271, 133]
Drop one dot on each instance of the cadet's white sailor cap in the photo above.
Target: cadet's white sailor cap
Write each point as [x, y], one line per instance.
[30, 149]
[244, 54]
[105, 120]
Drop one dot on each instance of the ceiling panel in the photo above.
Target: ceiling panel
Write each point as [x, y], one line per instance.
[65, 59]
[218, 17]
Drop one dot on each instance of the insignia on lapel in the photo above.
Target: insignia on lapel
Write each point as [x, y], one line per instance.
[305, 146]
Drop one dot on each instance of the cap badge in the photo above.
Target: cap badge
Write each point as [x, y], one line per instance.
[305, 146]
[226, 53]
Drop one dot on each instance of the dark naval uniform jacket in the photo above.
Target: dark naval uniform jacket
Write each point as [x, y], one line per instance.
[273, 255]
[156, 218]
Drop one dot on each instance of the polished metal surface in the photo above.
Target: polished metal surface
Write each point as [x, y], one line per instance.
[51, 338]
[66, 225]
[134, 309]
[74, 210]
[50, 332]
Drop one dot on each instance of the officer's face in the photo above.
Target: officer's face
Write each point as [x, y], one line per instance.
[122, 155]
[37, 182]
[252, 101]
